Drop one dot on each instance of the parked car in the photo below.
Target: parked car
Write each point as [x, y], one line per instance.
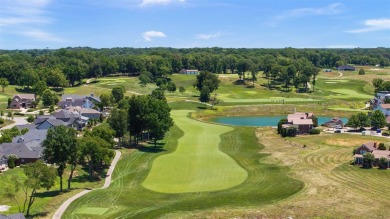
[337, 131]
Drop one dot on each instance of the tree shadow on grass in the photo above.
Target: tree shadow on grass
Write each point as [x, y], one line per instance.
[48, 194]
[39, 214]
[151, 149]
[201, 107]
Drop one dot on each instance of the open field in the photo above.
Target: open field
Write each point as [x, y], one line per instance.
[197, 165]
[333, 188]
[127, 198]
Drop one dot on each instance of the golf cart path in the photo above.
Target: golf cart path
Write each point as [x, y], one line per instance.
[107, 183]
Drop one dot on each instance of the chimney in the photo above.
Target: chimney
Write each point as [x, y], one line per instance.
[374, 144]
[20, 140]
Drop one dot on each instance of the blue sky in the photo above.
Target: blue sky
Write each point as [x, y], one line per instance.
[27, 24]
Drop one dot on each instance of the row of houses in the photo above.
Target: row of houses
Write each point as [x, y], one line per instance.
[76, 113]
[67, 100]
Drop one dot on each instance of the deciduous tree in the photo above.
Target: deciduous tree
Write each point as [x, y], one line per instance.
[59, 146]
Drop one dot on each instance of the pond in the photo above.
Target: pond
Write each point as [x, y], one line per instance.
[262, 120]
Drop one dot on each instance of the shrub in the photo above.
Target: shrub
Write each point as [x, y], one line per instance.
[362, 72]
[30, 118]
[182, 89]
[11, 161]
[368, 160]
[41, 112]
[314, 131]
[51, 109]
[383, 163]
[381, 146]
[18, 114]
[1, 121]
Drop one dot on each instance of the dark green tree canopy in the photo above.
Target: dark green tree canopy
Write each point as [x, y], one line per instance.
[207, 79]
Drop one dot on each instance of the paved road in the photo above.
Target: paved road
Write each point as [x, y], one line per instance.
[107, 183]
[18, 121]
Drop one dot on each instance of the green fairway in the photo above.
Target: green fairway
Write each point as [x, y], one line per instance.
[93, 211]
[127, 197]
[350, 94]
[270, 100]
[197, 164]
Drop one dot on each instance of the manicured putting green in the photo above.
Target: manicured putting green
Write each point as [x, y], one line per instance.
[197, 165]
[348, 93]
[93, 210]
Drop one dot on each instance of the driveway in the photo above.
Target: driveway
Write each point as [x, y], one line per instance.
[17, 120]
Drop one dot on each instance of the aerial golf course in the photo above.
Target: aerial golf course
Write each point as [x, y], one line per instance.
[203, 166]
[208, 170]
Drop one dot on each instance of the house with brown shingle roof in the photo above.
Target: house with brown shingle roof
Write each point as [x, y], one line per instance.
[302, 121]
[22, 101]
[370, 147]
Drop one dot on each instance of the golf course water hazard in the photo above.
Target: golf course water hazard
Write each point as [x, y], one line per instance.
[261, 120]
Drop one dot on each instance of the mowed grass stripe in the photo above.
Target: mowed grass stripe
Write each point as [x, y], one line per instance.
[197, 165]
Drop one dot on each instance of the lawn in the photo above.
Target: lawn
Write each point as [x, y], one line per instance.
[197, 165]
[127, 198]
[46, 202]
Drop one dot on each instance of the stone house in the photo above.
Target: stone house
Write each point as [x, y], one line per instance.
[21, 101]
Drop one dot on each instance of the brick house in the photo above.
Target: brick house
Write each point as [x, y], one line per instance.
[370, 147]
[21, 101]
[302, 121]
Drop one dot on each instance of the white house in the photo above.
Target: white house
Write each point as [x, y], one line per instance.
[189, 71]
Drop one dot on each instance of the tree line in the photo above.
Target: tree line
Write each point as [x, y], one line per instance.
[69, 66]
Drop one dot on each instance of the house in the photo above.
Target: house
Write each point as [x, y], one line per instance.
[385, 108]
[370, 147]
[90, 113]
[346, 68]
[72, 100]
[3, 159]
[334, 123]
[189, 71]
[49, 123]
[28, 147]
[302, 121]
[22, 101]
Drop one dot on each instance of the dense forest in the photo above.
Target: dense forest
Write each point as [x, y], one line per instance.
[68, 66]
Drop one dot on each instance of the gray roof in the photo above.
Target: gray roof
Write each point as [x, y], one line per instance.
[20, 149]
[26, 96]
[42, 118]
[73, 96]
[32, 135]
[13, 216]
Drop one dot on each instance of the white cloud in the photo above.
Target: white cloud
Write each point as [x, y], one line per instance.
[26, 18]
[300, 12]
[41, 36]
[159, 2]
[373, 25]
[342, 46]
[208, 36]
[149, 35]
